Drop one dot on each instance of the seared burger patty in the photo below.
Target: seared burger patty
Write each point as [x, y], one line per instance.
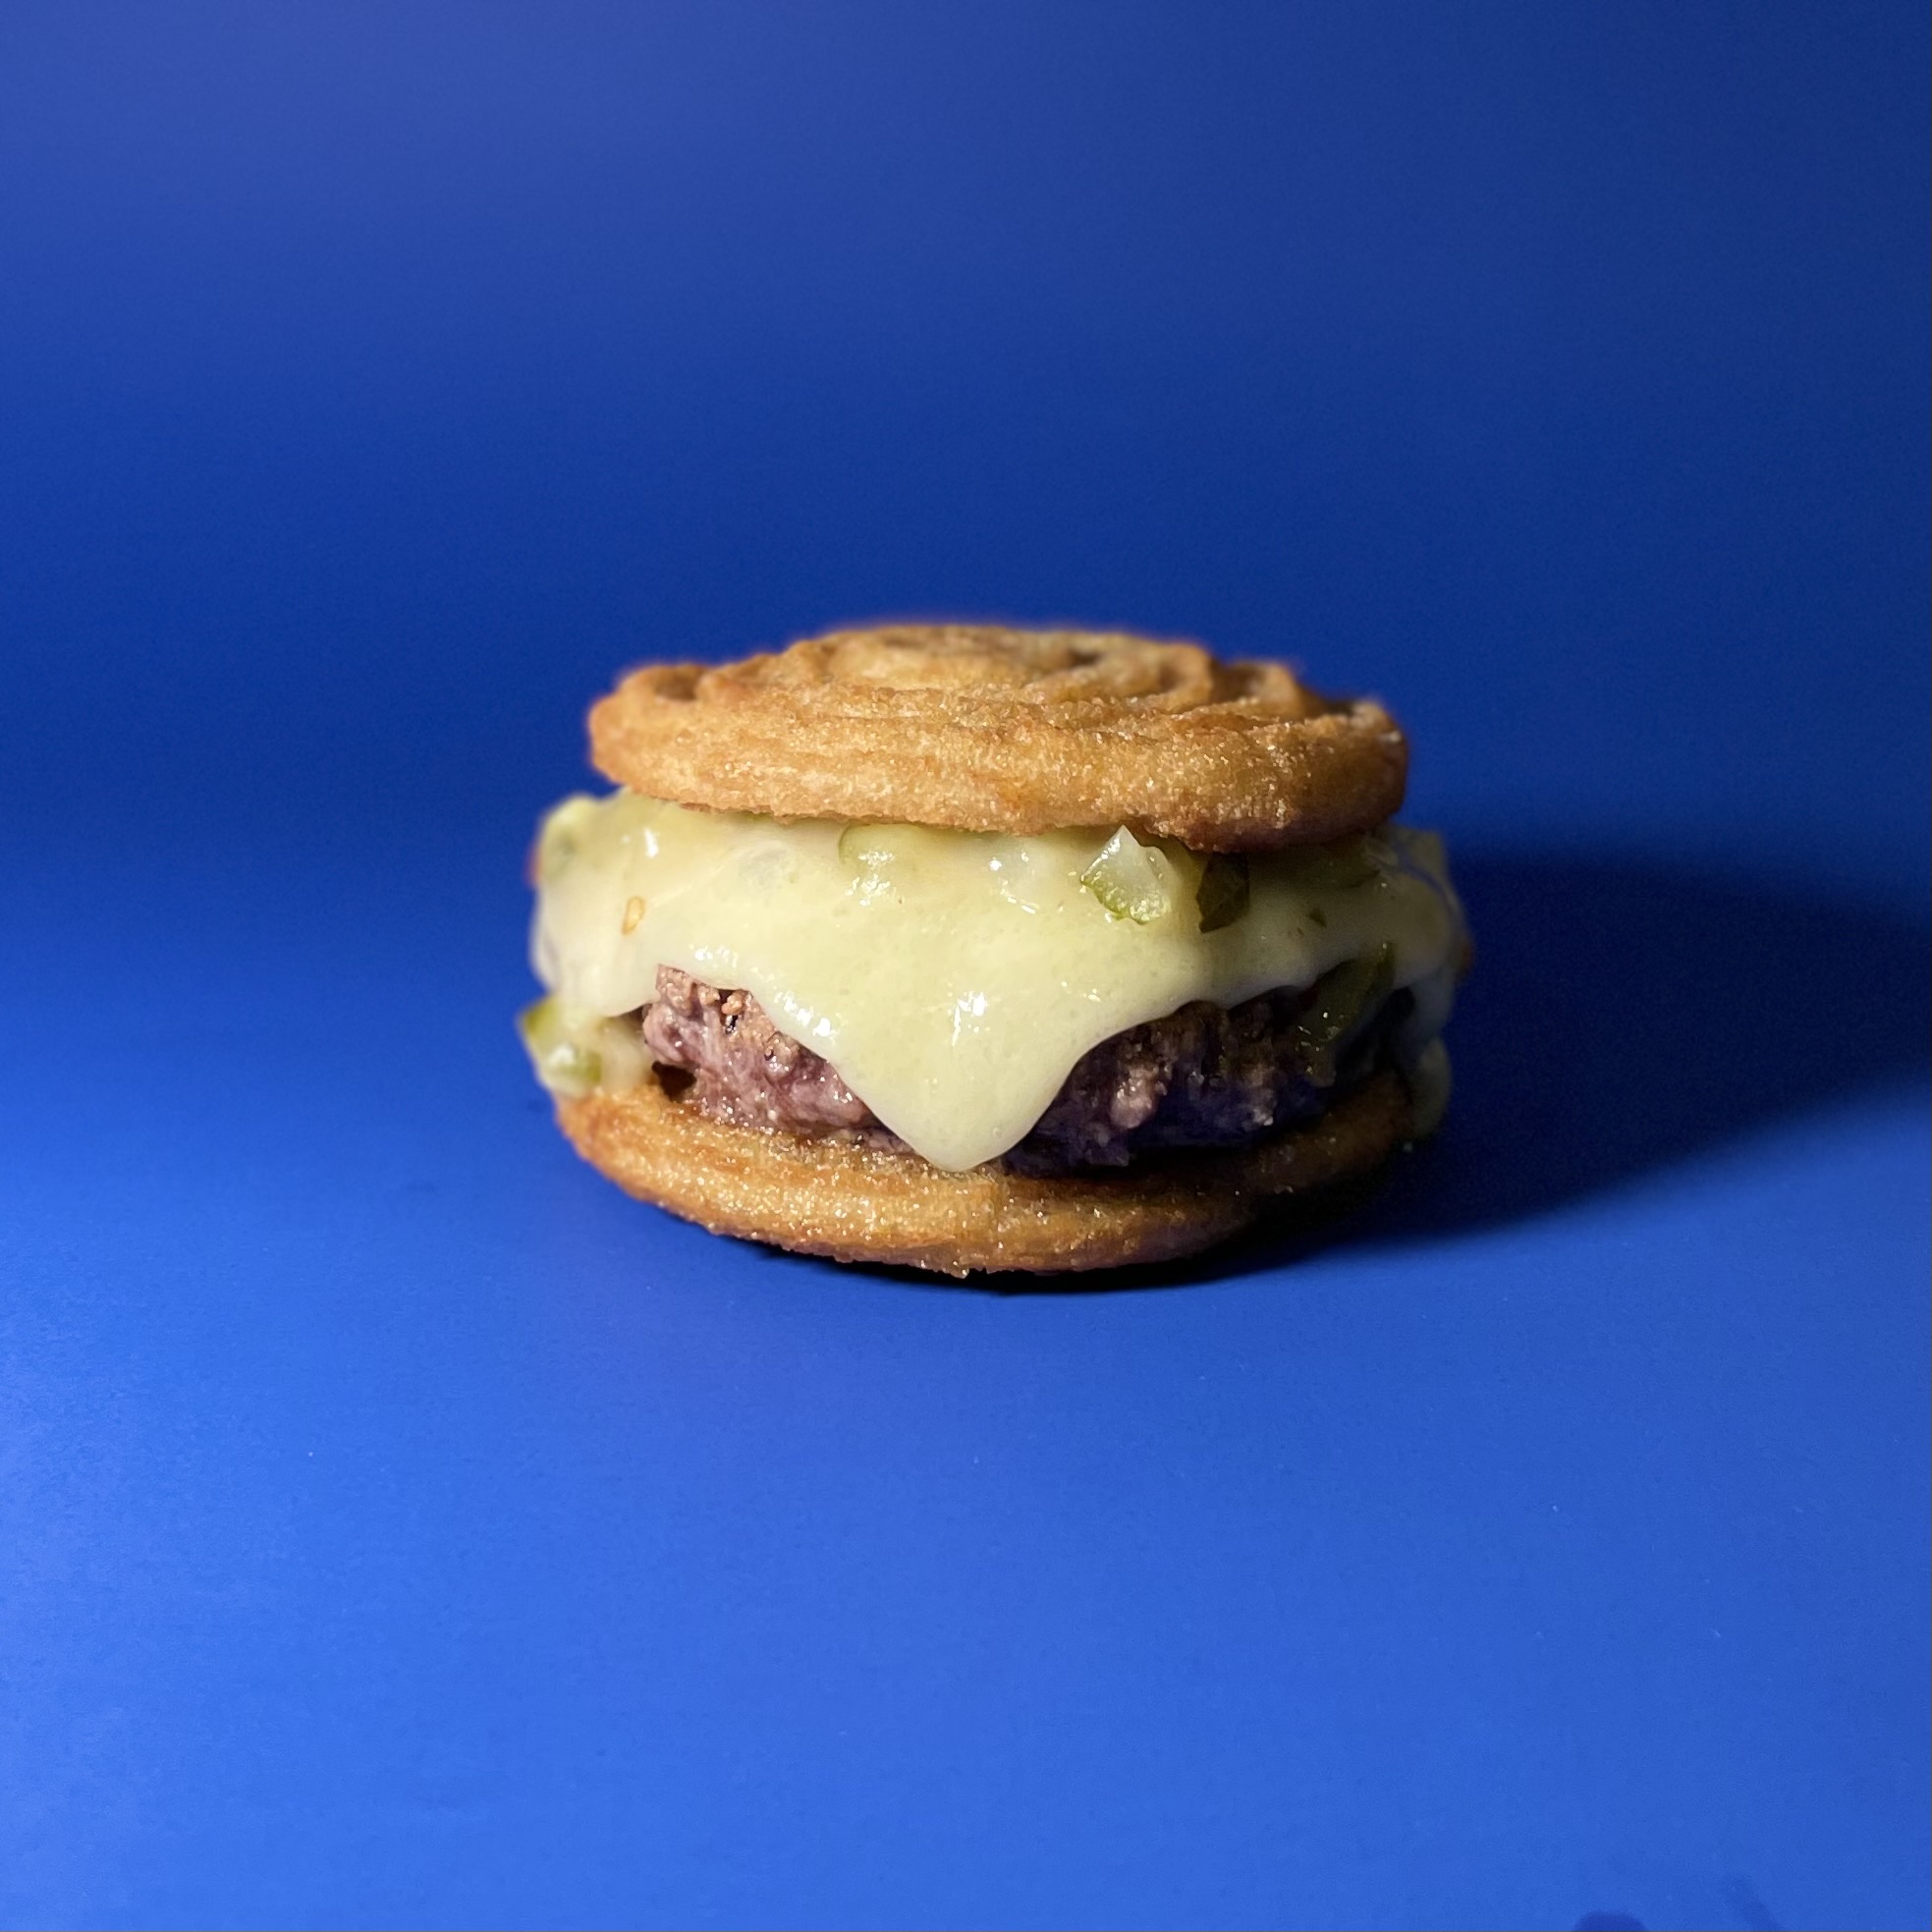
[745, 1070]
[1205, 1077]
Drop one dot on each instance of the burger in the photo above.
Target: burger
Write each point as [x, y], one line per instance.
[970, 948]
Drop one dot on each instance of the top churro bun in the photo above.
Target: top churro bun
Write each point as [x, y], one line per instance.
[985, 729]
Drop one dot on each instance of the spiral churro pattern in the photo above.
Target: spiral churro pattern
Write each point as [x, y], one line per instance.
[993, 730]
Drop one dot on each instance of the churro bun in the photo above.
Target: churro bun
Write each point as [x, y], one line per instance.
[857, 1203]
[987, 728]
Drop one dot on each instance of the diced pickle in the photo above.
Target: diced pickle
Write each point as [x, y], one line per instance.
[1130, 880]
[1222, 894]
[1340, 1003]
[536, 1022]
[569, 1067]
[564, 1065]
[1342, 867]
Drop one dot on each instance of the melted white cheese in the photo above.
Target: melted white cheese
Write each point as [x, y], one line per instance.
[953, 978]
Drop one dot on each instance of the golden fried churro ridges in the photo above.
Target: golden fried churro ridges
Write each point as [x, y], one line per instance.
[993, 730]
[856, 1204]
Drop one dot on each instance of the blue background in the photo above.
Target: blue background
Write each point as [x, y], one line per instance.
[402, 1526]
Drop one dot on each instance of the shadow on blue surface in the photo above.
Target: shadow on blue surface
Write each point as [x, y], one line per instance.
[1620, 1018]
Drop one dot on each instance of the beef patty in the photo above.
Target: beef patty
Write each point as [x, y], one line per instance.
[1205, 1077]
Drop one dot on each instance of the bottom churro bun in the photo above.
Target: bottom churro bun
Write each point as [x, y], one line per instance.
[858, 1203]
[1034, 1029]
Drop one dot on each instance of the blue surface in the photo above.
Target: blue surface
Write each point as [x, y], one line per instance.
[402, 1526]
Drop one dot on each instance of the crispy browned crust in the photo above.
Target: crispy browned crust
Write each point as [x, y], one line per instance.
[992, 729]
[848, 1201]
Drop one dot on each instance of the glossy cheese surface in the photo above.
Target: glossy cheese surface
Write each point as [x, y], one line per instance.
[953, 978]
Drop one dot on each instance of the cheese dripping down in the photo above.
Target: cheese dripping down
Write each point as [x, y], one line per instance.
[952, 979]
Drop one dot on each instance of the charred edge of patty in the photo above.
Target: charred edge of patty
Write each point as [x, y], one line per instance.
[1203, 1078]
